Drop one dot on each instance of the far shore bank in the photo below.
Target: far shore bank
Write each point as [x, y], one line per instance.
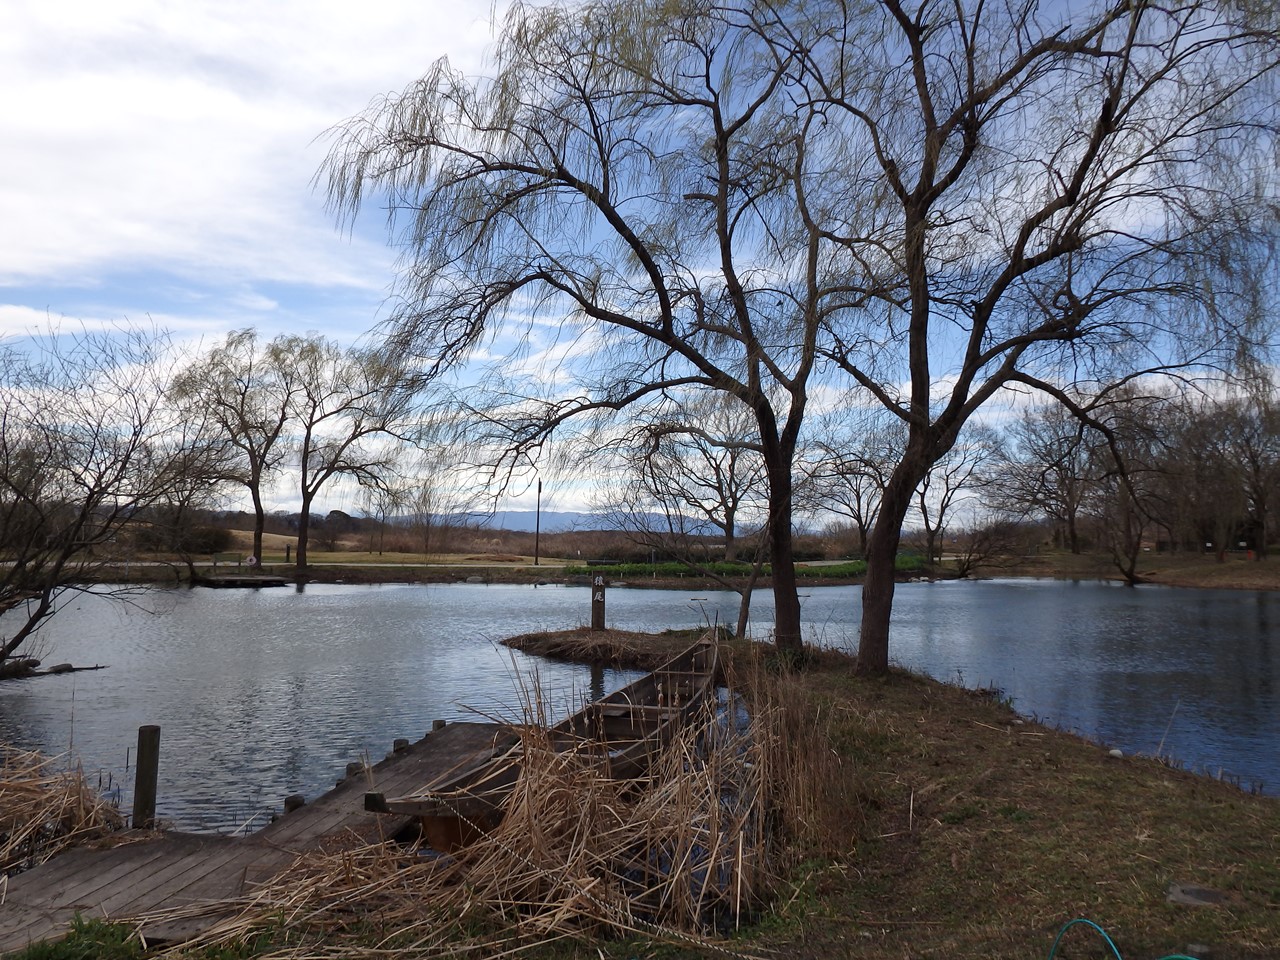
[1171, 570]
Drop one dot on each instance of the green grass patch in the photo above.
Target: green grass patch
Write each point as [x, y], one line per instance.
[87, 940]
[906, 563]
[666, 569]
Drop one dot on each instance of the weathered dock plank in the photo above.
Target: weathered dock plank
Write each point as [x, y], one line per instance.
[340, 813]
[123, 880]
[202, 872]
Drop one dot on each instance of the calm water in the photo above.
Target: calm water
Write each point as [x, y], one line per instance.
[265, 693]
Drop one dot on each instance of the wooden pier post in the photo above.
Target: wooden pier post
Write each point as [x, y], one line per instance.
[597, 602]
[146, 776]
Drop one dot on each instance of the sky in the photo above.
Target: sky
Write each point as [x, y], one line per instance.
[158, 158]
[157, 162]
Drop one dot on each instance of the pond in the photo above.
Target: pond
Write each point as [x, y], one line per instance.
[265, 693]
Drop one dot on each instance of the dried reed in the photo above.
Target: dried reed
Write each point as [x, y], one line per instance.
[44, 811]
[686, 852]
[814, 802]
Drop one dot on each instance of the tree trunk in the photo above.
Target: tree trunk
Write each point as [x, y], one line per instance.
[259, 525]
[1128, 543]
[304, 529]
[882, 555]
[744, 614]
[786, 598]
[44, 608]
[877, 592]
[1260, 541]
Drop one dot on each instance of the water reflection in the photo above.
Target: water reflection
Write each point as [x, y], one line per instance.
[263, 694]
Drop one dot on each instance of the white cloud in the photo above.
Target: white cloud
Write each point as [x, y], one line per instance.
[153, 138]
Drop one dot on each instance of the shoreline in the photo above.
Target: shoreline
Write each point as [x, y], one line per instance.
[1234, 574]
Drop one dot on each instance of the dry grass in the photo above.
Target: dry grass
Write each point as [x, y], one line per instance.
[44, 811]
[985, 833]
[683, 857]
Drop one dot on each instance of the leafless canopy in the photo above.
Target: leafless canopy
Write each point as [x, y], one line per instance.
[926, 203]
[87, 444]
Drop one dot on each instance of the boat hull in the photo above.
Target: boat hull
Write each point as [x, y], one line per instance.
[620, 734]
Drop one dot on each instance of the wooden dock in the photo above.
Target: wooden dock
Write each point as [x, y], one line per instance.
[242, 581]
[200, 872]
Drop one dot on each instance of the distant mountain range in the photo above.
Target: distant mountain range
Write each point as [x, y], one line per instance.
[553, 521]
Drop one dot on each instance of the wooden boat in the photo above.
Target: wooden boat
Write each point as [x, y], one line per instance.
[620, 733]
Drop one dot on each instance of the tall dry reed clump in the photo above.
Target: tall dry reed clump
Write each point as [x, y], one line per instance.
[44, 811]
[688, 852]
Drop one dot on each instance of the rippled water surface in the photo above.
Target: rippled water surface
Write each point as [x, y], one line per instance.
[260, 694]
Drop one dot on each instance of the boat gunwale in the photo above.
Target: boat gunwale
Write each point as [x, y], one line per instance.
[477, 791]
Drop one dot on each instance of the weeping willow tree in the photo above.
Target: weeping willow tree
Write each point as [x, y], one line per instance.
[908, 206]
[619, 205]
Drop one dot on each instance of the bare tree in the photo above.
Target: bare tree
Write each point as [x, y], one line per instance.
[936, 202]
[1223, 468]
[1255, 442]
[1046, 471]
[250, 397]
[201, 462]
[709, 471]
[1206, 499]
[85, 449]
[963, 473]
[687, 487]
[1040, 197]
[346, 416]
[383, 503]
[1130, 453]
[980, 540]
[435, 498]
[848, 469]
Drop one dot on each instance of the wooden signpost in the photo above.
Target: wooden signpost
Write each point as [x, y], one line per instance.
[597, 602]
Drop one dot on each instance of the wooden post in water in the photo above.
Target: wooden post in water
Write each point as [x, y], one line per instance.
[146, 775]
[597, 602]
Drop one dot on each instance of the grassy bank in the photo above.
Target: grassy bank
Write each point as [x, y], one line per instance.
[1237, 571]
[985, 833]
[939, 824]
